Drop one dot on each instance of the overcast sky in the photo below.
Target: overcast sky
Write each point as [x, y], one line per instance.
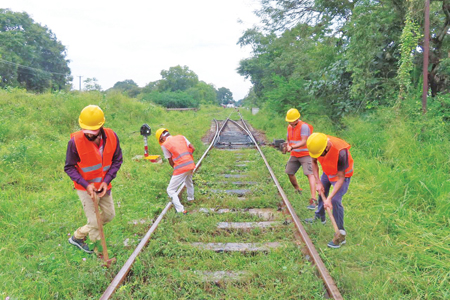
[136, 39]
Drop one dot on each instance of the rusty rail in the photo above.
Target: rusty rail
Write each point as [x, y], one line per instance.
[329, 283]
[326, 277]
[120, 277]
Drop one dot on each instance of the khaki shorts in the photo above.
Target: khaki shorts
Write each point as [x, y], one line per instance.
[294, 164]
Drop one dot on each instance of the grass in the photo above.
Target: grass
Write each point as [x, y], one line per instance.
[397, 208]
[170, 265]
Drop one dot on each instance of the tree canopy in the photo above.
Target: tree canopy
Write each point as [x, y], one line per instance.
[30, 54]
[224, 96]
[177, 79]
[180, 86]
[346, 55]
[128, 87]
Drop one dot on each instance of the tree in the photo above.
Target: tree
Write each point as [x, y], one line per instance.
[91, 84]
[177, 79]
[279, 15]
[204, 93]
[128, 87]
[125, 85]
[224, 96]
[30, 54]
[151, 87]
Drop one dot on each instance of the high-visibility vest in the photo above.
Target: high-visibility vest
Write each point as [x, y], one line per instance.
[92, 166]
[294, 137]
[181, 154]
[329, 162]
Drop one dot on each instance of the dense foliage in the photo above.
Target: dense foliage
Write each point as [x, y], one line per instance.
[346, 56]
[30, 55]
[180, 87]
[129, 87]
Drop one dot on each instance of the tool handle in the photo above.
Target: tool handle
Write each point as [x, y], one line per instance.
[330, 214]
[100, 227]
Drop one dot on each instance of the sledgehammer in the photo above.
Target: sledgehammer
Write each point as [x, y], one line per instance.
[107, 261]
[330, 214]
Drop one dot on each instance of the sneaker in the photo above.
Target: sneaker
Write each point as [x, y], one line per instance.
[315, 219]
[185, 212]
[312, 204]
[80, 243]
[190, 199]
[299, 191]
[338, 240]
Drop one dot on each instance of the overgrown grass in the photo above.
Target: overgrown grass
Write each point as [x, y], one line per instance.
[171, 266]
[397, 207]
[39, 209]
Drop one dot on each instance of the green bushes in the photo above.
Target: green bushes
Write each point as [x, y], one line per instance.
[172, 99]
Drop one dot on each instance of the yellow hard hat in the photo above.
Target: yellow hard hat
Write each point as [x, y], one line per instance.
[159, 132]
[316, 144]
[292, 115]
[91, 118]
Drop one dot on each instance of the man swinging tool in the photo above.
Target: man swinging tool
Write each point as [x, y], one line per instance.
[337, 165]
[178, 150]
[92, 160]
[297, 134]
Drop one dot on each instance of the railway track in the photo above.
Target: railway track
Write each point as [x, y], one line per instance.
[241, 238]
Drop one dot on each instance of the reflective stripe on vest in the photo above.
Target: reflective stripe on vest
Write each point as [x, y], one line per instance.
[98, 179]
[346, 173]
[90, 169]
[329, 162]
[181, 156]
[294, 138]
[182, 165]
[94, 165]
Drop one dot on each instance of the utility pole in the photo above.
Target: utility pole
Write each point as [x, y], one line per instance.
[426, 49]
[80, 82]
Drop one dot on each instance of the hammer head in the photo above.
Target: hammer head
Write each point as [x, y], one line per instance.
[108, 262]
[338, 238]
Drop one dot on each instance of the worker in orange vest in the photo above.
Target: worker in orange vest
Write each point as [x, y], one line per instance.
[178, 150]
[297, 135]
[93, 158]
[337, 166]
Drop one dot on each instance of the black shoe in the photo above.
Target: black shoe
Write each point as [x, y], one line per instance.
[315, 219]
[80, 244]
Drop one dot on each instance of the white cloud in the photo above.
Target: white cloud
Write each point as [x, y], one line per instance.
[113, 41]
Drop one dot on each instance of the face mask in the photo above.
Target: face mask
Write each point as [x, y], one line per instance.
[92, 138]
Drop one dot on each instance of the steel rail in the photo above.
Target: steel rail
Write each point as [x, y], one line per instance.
[120, 277]
[330, 285]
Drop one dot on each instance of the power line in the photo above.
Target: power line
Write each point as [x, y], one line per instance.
[30, 68]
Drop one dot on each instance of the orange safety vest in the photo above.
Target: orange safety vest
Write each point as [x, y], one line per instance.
[181, 154]
[92, 166]
[329, 162]
[294, 137]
